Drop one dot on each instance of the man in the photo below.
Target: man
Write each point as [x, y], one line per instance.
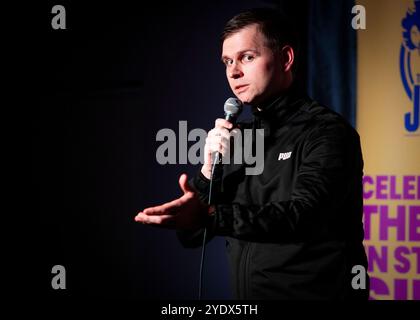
[294, 231]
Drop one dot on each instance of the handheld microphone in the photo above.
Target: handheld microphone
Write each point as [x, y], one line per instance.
[233, 108]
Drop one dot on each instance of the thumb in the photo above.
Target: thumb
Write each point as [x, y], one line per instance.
[183, 183]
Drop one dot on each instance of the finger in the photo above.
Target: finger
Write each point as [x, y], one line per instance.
[140, 217]
[155, 210]
[219, 132]
[213, 144]
[234, 132]
[218, 139]
[169, 208]
[164, 209]
[222, 123]
[221, 140]
[218, 147]
[183, 183]
[165, 220]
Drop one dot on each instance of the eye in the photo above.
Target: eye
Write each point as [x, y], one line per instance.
[227, 62]
[248, 57]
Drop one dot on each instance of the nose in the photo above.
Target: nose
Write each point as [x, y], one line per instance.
[235, 72]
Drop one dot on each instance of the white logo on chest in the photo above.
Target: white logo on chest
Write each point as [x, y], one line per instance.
[285, 155]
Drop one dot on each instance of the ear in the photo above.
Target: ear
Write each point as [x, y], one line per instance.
[288, 57]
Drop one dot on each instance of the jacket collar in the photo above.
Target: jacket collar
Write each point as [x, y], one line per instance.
[277, 111]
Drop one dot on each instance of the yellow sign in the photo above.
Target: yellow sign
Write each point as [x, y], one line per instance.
[388, 95]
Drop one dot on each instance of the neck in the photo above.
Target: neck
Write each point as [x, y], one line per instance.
[274, 96]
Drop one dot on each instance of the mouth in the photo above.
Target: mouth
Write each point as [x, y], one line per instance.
[241, 88]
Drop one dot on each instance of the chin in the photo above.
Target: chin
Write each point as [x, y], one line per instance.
[249, 100]
[245, 99]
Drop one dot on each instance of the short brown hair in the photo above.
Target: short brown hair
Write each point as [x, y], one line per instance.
[272, 23]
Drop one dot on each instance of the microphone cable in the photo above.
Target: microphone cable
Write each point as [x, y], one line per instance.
[203, 250]
[233, 108]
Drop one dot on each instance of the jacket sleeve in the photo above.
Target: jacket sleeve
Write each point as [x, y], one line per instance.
[194, 238]
[328, 181]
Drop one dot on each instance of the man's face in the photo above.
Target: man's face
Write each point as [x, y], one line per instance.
[254, 72]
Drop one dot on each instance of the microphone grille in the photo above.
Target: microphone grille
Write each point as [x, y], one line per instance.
[233, 107]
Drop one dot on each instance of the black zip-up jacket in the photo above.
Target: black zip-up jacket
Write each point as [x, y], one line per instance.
[295, 231]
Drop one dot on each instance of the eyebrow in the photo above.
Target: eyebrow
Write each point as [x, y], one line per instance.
[239, 53]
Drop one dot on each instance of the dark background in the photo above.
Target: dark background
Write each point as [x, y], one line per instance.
[107, 84]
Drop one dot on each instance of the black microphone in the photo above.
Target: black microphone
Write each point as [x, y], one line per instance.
[233, 108]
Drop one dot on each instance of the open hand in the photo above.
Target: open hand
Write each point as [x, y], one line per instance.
[184, 213]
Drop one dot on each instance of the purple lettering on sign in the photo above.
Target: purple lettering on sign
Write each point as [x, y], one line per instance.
[407, 187]
[400, 289]
[381, 260]
[387, 222]
[367, 180]
[418, 187]
[400, 256]
[416, 251]
[416, 289]
[414, 233]
[378, 286]
[394, 195]
[381, 186]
